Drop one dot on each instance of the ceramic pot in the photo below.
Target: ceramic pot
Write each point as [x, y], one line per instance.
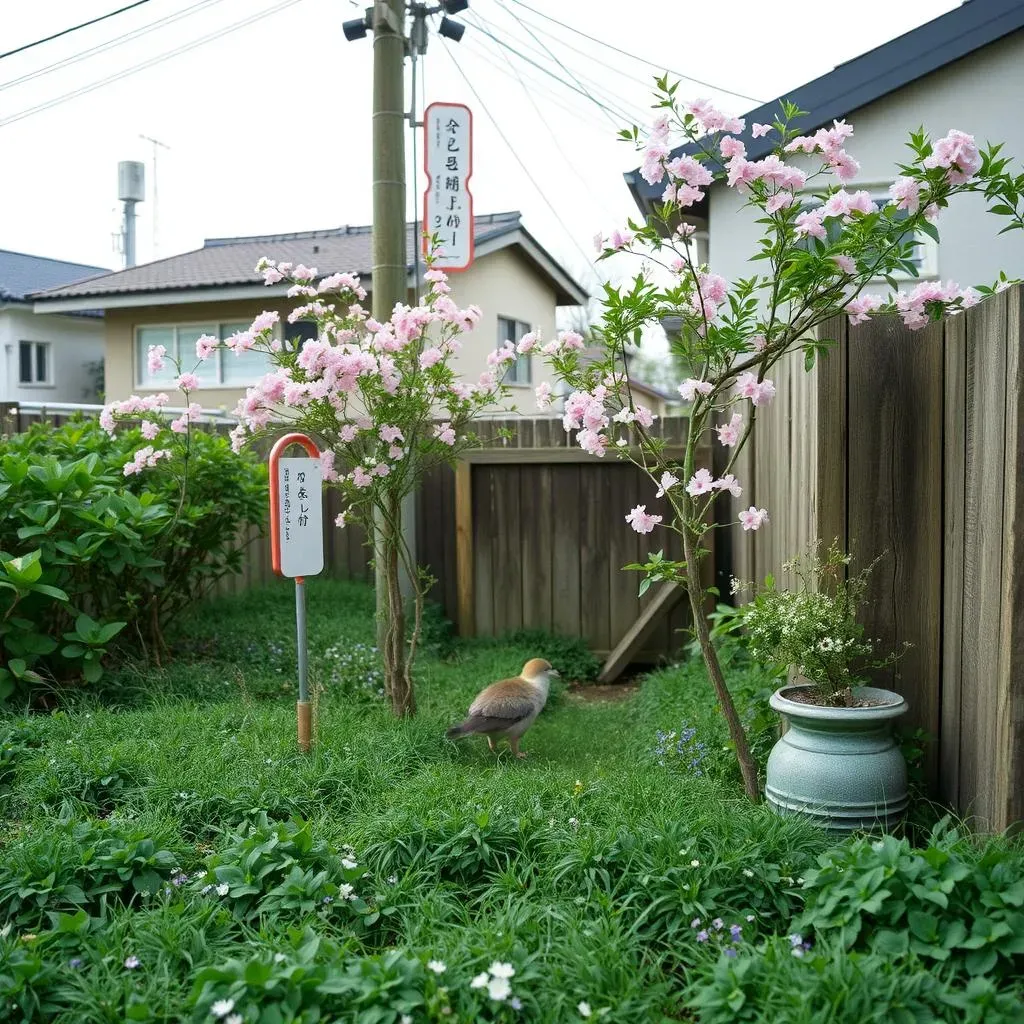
[840, 767]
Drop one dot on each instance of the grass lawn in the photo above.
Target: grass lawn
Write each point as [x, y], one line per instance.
[169, 855]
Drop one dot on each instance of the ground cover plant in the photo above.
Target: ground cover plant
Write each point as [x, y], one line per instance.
[168, 855]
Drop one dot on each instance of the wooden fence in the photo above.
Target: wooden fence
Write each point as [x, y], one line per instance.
[910, 446]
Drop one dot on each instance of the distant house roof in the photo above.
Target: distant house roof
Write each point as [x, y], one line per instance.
[872, 75]
[224, 267]
[21, 274]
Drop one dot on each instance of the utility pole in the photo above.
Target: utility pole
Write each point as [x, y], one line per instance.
[156, 208]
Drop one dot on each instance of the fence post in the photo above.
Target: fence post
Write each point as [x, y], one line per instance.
[8, 418]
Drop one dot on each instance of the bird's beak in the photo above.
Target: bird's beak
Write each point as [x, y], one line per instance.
[554, 672]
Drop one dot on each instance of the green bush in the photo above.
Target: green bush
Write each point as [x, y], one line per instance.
[952, 902]
[90, 558]
[570, 655]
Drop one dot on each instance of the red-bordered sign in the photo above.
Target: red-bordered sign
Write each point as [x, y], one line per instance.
[447, 201]
[296, 510]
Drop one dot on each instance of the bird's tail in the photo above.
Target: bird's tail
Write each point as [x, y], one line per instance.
[457, 731]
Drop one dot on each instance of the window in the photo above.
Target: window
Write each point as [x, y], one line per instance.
[924, 255]
[34, 363]
[519, 372]
[223, 369]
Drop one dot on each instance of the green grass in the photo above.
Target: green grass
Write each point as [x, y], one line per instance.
[582, 866]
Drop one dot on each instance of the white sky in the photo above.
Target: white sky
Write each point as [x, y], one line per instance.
[269, 125]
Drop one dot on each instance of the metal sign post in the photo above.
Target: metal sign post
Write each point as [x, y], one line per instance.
[297, 545]
[447, 202]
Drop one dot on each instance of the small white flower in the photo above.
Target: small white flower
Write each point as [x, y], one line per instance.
[584, 1008]
[575, 822]
[500, 970]
[437, 966]
[750, 917]
[748, 873]
[480, 981]
[694, 863]
[499, 989]
[222, 1007]
[405, 1019]
[235, 1018]
[348, 863]
[223, 889]
[346, 892]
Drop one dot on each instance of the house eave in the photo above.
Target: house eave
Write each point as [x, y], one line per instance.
[163, 297]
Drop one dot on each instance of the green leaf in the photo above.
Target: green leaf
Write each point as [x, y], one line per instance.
[55, 592]
[891, 943]
[92, 670]
[981, 961]
[923, 926]
[109, 631]
[25, 568]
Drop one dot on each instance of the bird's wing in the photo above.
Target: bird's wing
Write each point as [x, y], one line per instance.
[511, 700]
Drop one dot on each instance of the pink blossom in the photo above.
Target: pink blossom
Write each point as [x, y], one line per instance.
[592, 441]
[906, 192]
[237, 435]
[969, 297]
[239, 342]
[760, 129]
[753, 518]
[759, 392]
[445, 434]
[389, 435]
[689, 170]
[700, 483]
[713, 120]
[845, 167]
[845, 264]
[544, 396]
[155, 358]
[272, 276]
[641, 520]
[690, 388]
[149, 429]
[729, 483]
[348, 433]
[187, 382]
[304, 273]
[430, 357]
[396, 453]
[859, 307]
[729, 433]
[264, 321]
[341, 519]
[433, 274]
[107, 421]
[931, 212]
[732, 147]
[779, 201]
[361, 478]
[758, 342]
[599, 241]
[667, 481]
[381, 469]
[330, 474]
[652, 170]
[958, 152]
[621, 239]
[527, 343]
[205, 344]
[659, 129]
[741, 173]
[810, 223]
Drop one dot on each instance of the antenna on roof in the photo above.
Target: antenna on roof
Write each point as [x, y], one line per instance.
[156, 208]
[131, 189]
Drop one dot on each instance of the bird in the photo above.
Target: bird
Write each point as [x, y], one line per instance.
[508, 708]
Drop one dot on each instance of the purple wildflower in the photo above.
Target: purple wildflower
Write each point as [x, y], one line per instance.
[735, 931]
[730, 951]
[718, 923]
[702, 935]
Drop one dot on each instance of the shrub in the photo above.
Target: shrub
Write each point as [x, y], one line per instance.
[90, 557]
[949, 903]
[570, 655]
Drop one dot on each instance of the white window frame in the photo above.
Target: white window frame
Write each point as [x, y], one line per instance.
[138, 357]
[523, 360]
[928, 269]
[33, 347]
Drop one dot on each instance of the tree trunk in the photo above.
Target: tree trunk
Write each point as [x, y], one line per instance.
[748, 767]
[397, 680]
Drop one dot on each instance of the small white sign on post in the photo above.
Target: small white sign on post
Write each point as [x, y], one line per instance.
[447, 202]
[301, 516]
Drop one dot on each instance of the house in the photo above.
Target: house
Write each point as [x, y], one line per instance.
[962, 70]
[56, 357]
[215, 290]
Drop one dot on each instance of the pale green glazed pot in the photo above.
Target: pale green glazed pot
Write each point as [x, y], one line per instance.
[840, 767]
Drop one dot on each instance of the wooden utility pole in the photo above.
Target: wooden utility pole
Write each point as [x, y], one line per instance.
[390, 270]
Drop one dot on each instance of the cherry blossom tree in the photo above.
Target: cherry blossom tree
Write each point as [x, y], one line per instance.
[824, 243]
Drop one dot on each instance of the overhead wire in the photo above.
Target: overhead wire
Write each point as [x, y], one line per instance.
[109, 44]
[633, 56]
[72, 28]
[533, 181]
[151, 62]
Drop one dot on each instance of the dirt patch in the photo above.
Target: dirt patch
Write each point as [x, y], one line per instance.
[805, 695]
[609, 693]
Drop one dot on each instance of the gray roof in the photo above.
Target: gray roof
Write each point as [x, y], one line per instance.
[22, 274]
[872, 75]
[224, 262]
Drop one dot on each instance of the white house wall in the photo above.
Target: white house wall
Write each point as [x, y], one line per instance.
[980, 94]
[75, 343]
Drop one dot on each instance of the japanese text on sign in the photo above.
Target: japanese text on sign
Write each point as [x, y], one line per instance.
[301, 517]
[448, 203]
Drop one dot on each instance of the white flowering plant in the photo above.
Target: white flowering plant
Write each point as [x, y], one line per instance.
[813, 628]
[823, 247]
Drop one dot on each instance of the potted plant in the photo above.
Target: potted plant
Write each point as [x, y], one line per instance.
[836, 761]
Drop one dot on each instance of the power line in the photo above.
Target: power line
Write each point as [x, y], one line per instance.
[518, 159]
[540, 67]
[633, 56]
[152, 61]
[73, 28]
[109, 44]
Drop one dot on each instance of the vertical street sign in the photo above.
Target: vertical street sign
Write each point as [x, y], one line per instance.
[447, 202]
[297, 544]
